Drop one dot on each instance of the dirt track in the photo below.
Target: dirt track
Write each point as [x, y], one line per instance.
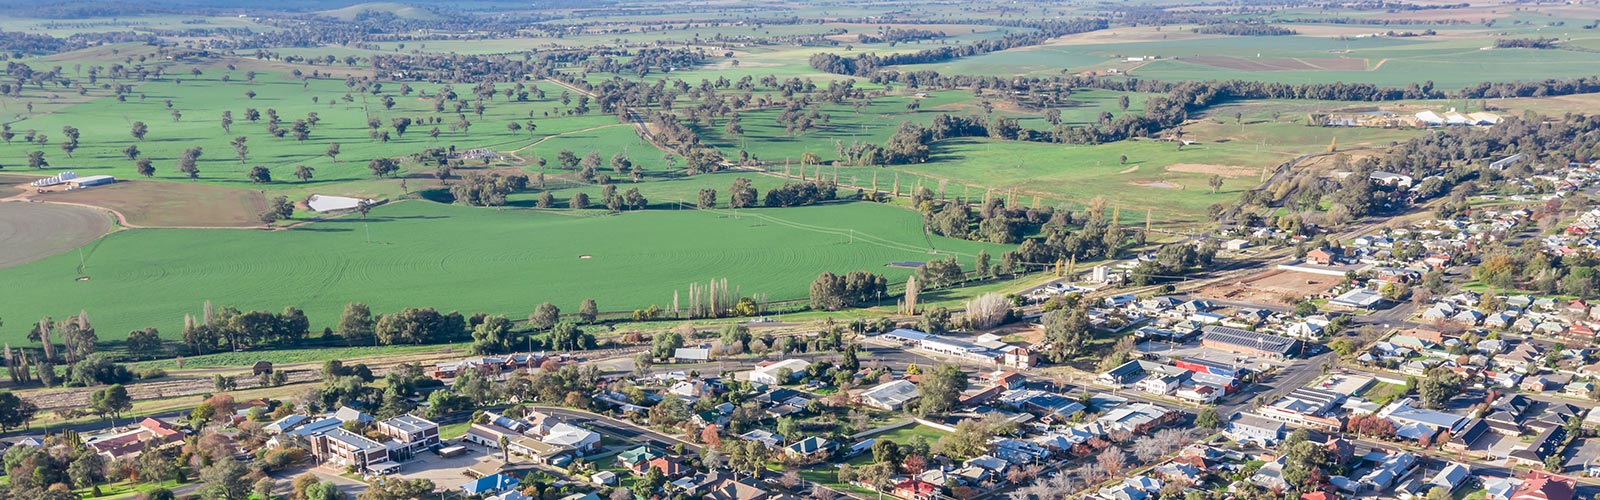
[33, 231]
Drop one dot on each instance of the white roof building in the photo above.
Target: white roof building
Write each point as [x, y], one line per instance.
[891, 396]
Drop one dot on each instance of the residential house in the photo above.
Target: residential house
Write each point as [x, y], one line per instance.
[891, 396]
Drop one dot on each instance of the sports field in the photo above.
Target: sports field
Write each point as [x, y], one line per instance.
[416, 254]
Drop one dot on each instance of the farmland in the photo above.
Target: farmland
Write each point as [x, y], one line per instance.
[419, 254]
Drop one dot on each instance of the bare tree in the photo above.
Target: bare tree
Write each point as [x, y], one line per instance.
[987, 310]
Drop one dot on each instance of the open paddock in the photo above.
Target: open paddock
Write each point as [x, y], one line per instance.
[169, 204]
[1271, 287]
[33, 231]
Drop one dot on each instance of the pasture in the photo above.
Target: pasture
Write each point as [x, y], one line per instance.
[421, 254]
[104, 126]
[165, 204]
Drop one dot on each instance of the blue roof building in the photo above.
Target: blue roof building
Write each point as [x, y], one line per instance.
[491, 484]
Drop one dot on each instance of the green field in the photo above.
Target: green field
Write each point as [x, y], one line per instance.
[104, 125]
[420, 254]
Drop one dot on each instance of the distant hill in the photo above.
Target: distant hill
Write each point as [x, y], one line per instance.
[400, 10]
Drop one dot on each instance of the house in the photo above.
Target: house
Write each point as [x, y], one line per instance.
[916, 489]
[1356, 299]
[1545, 486]
[412, 433]
[691, 355]
[1452, 477]
[261, 367]
[770, 374]
[583, 440]
[1255, 429]
[490, 485]
[891, 396]
[631, 457]
[731, 489]
[766, 438]
[1544, 445]
[540, 451]
[149, 433]
[1320, 256]
[604, 478]
[810, 448]
[1008, 380]
[345, 448]
[670, 468]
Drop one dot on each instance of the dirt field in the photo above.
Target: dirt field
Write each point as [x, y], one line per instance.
[33, 231]
[1279, 63]
[170, 204]
[1222, 170]
[1271, 287]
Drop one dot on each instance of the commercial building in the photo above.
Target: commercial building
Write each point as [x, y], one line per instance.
[891, 396]
[1247, 342]
[413, 434]
[345, 448]
[770, 374]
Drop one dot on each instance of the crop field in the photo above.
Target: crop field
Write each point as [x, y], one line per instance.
[420, 254]
[1451, 60]
[104, 125]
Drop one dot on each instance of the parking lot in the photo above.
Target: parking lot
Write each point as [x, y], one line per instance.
[446, 473]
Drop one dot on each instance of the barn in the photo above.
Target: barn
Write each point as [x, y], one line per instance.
[92, 180]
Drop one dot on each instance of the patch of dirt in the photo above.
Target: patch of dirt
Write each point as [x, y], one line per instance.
[1158, 184]
[33, 231]
[1222, 170]
[169, 204]
[1271, 287]
[1129, 170]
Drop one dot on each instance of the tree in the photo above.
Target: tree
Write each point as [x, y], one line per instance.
[579, 201]
[1215, 182]
[544, 316]
[225, 479]
[707, 199]
[1208, 419]
[131, 152]
[741, 194]
[36, 160]
[145, 167]
[588, 311]
[941, 389]
[259, 175]
[987, 311]
[143, 343]
[1438, 387]
[113, 400]
[333, 151]
[382, 167]
[139, 129]
[1067, 330]
[356, 322]
[304, 173]
[14, 411]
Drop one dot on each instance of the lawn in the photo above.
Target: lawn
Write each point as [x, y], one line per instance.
[904, 434]
[421, 254]
[1383, 391]
[291, 356]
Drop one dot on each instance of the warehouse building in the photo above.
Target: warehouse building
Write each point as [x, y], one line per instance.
[1239, 341]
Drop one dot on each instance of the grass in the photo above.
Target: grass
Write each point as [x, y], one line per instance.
[124, 489]
[904, 434]
[293, 356]
[452, 431]
[104, 125]
[420, 254]
[1384, 391]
